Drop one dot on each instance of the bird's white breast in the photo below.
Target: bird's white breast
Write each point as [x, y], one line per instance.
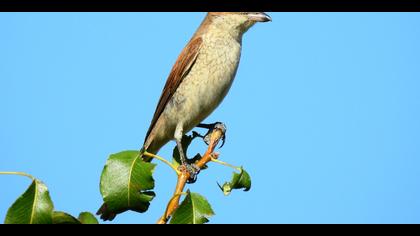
[208, 81]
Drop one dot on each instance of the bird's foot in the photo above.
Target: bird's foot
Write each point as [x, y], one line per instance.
[211, 127]
[192, 169]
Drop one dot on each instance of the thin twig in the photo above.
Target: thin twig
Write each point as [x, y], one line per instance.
[225, 164]
[17, 173]
[148, 154]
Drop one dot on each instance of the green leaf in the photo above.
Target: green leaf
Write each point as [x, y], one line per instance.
[125, 184]
[193, 210]
[34, 206]
[240, 180]
[87, 218]
[60, 217]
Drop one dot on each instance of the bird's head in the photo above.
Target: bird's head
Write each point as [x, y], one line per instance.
[240, 21]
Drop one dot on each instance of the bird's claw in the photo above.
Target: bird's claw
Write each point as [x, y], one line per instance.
[211, 127]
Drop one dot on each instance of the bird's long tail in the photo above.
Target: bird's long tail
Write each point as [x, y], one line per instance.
[144, 157]
[150, 149]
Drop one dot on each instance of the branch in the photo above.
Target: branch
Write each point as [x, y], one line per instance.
[215, 136]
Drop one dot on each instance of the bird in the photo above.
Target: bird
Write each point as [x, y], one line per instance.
[200, 79]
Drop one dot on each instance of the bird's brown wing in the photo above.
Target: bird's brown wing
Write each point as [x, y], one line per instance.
[179, 71]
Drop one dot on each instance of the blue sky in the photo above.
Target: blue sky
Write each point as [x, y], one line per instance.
[324, 113]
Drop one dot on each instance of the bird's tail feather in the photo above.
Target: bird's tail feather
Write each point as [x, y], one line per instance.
[149, 149]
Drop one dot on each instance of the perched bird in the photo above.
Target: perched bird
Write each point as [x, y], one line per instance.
[200, 78]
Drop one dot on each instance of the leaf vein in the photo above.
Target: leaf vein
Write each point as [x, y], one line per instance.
[129, 181]
[34, 202]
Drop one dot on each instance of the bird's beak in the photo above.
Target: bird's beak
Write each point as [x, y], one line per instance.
[259, 17]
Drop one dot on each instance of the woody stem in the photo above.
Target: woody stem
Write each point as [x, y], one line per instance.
[208, 156]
